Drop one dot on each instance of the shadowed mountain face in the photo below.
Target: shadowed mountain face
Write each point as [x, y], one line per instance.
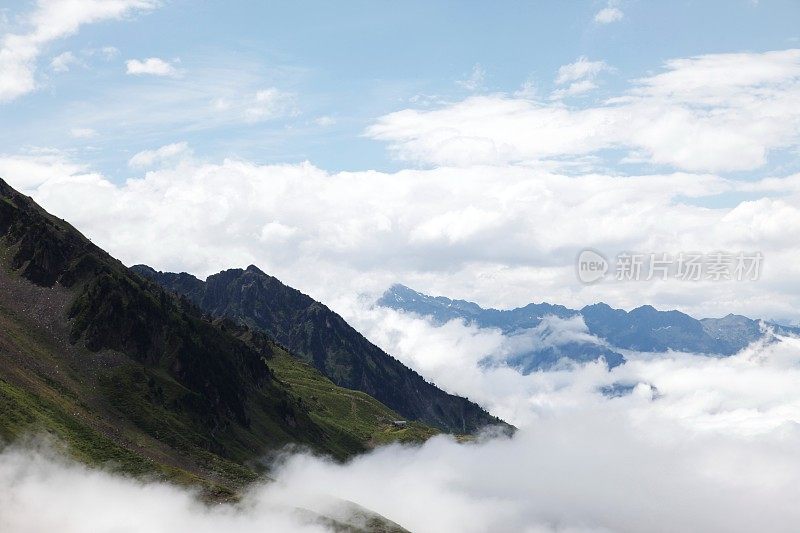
[642, 329]
[125, 371]
[323, 339]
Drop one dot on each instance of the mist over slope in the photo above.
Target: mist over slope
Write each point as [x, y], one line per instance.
[694, 446]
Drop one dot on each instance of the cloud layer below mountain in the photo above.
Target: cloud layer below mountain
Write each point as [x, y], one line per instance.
[700, 444]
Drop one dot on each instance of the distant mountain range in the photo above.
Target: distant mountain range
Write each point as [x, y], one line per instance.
[642, 329]
[139, 378]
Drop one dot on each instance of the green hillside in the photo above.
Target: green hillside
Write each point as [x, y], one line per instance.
[353, 413]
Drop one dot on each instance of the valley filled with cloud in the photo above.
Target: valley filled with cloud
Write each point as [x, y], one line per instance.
[341, 170]
[694, 439]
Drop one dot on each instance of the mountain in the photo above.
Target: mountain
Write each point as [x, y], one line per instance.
[130, 375]
[607, 329]
[736, 331]
[323, 339]
[442, 309]
[649, 330]
[533, 330]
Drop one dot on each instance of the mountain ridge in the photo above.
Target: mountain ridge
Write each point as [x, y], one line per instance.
[643, 328]
[323, 339]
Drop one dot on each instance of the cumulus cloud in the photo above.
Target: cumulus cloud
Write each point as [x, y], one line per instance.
[505, 236]
[717, 112]
[153, 66]
[52, 20]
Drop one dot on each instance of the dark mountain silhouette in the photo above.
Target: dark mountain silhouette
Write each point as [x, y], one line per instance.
[323, 339]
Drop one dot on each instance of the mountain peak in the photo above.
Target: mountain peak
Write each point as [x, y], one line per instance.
[5, 188]
[600, 306]
[255, 270]
[144, 270]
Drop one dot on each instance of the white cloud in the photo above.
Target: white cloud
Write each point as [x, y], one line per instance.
[720, 112]
[276, 233]
[579, 76]
[574, 89]
[503, 236]
[82, 133]
[62, 62]
[475, 80]
[527, 90]
[580, 69]
[610, 13]
[79, 499]
[153, 66]
[147, 158]
[29, 171]
[48, 22]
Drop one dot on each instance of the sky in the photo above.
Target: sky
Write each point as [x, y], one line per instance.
[469, 150]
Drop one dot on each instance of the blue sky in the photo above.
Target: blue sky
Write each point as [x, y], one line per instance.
[470, 149]
[349, 62]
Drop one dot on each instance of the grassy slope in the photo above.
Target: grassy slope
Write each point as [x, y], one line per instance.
[34, 403]
[350, 412]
